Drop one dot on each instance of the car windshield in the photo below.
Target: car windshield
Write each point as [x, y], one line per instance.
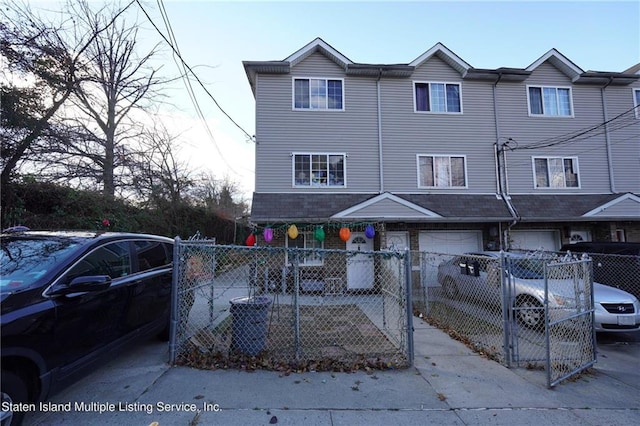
[527, 269]
[24, 261]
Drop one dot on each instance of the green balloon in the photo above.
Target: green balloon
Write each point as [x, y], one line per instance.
[319, 233]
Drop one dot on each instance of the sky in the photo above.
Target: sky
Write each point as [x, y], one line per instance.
[214, 37]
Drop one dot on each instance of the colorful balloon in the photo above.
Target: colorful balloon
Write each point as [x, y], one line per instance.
[268, 234]
[345, 234]
[369, 231]
[251, 240]
[293, 232]
[319, 233]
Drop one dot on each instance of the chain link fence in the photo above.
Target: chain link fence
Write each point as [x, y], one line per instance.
[615, 270]
[532, 310]
[289, 308]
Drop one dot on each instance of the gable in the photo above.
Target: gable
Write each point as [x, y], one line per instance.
[386, 206]
[317, 64]
[319, 46]
[443, 53]
[560, 62]
[626, 206]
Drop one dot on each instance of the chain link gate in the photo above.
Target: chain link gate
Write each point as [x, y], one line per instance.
[529, 309]
[289, 308]
[557, 331]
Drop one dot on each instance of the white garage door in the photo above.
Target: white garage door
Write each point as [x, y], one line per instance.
[535, 240]
[450, 242]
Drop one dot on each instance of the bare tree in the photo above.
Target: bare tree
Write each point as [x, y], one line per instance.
[43, 69]
[220, 196]
[120, 81]
[155, 172]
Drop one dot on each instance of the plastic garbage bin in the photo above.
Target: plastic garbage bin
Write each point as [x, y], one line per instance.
[249, 325]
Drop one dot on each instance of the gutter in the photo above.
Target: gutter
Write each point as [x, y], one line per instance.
[502, 189]
[607, 137]
[380, 165]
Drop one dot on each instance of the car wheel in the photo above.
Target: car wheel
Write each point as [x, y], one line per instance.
[450, 288]
[14, 390]
[530, 312]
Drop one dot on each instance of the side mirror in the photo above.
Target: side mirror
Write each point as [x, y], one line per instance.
[82, 285]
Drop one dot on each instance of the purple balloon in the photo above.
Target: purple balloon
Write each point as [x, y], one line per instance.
[369, 232]
[268, 234]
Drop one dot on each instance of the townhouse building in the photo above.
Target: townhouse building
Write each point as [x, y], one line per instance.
[439, 156]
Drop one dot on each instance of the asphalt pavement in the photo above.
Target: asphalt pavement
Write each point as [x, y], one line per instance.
[449, 384]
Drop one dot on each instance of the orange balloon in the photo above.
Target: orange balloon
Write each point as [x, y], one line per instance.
[345, 234]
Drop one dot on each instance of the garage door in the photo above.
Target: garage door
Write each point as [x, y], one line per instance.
[535, 240]
[450, 242]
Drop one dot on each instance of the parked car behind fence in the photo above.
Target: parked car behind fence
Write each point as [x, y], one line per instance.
[614, 263]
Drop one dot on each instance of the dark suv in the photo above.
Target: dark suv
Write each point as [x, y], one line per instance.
[614, 263]
[68, 299]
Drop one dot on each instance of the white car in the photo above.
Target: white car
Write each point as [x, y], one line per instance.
[477, 276]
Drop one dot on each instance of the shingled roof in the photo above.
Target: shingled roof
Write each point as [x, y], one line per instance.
[445, 208]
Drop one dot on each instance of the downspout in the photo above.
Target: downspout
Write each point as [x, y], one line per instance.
[607, 136]
[501, 176]
[380, 169]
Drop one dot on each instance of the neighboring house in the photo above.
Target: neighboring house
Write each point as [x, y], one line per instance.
[439, 156]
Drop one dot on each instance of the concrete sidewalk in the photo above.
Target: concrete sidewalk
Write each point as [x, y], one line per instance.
[449, 385]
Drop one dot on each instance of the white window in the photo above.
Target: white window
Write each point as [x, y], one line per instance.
[306, 240]
[319, 170]
[318, 94]
[556, 172]
[636, 101]
[437, 97]
[442, 171]
[550, 101]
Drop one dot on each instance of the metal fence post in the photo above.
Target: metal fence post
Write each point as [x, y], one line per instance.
[296, 302]
[507, 329]
[409, 306]
[173, 324]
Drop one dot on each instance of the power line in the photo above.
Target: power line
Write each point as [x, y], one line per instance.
[620, 121]
[177, 53]
[183, 72]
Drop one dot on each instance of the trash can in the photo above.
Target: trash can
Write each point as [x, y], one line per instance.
[249, 325]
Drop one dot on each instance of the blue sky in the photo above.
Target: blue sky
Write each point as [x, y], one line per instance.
[214, 38]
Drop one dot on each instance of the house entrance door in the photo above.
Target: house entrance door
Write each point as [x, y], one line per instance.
[359, 266]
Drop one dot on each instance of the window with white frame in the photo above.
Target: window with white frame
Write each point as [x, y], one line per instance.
[306, 240]
[318, 94]
[319, 170]
[636, 101]
[550, 101]
[556, 172]
[441, 171]
[437, 97]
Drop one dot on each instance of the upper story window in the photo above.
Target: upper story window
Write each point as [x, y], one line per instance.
[438, 97]
[556, 172]
[319, 170]
[441, 171]
[307, 241]
[550, 101]
[318, 94]
[636, 101]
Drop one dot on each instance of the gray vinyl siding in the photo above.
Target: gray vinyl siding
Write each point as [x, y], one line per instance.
[387, 208]
[407, 133]
[624, 137]
[526, 130]
[281, 130]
